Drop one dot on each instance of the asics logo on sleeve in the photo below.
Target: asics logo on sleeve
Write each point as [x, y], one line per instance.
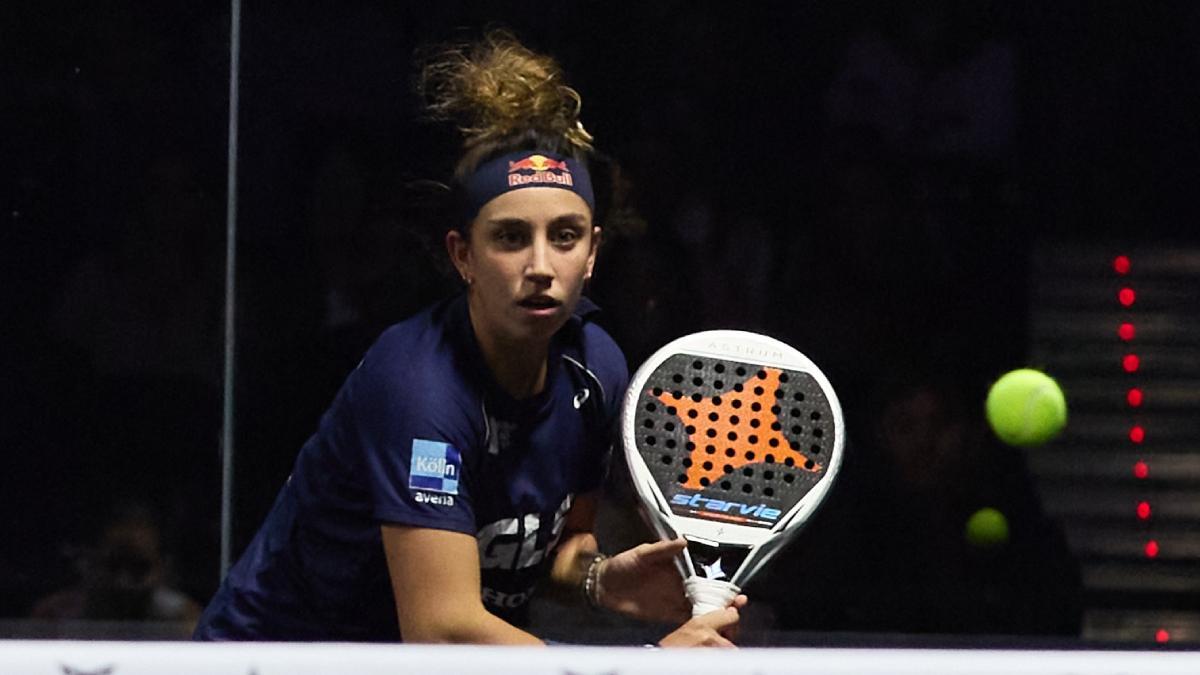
[581, 397]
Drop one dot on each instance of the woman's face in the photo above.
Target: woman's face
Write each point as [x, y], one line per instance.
[526, 260]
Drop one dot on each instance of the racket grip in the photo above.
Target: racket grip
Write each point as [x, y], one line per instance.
[708, 595]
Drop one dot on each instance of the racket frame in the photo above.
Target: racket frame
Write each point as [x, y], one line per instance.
[745, 347]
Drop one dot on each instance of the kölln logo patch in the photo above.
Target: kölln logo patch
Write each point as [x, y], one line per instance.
[435, 467]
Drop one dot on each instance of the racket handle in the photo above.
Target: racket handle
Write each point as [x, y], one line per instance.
[708, 595]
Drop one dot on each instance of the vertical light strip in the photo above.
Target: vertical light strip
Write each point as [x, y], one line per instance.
[235, 34]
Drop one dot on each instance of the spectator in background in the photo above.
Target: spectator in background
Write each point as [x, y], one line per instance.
[936, 83]
[151, 304]
[139, 322]
[852, 285]
[123, 578]
[373, 269]
[934, 79]
[893, 554]
[939, 465]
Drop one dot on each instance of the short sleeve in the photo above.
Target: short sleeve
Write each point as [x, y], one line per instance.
[607, 363]
[414, 435]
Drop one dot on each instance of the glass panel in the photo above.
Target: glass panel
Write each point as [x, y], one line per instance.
[864, 183]
[113, 168]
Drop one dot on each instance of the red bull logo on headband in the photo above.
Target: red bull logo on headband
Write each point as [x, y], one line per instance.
[530, 167]
[543, 168]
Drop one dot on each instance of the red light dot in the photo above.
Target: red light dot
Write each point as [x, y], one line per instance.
[1162, 635]
[1121, 264]
[1141, 469]
[1126, 296]
[1152, 549]
[1130, 363]
[1137, 434]
[1134, 397]
[1126, 332]
[1143, 510]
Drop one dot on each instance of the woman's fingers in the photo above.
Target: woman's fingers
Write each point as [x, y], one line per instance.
[661, 550]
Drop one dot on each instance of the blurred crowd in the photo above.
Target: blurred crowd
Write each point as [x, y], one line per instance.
[854, 181]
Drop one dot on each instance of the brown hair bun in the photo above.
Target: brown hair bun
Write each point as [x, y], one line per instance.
[498, 91]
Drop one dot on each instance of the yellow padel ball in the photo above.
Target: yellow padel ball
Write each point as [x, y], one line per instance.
[987, 528]
[1026, 407]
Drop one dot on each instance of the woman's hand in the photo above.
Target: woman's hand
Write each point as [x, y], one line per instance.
[644, 583]
[717, 628]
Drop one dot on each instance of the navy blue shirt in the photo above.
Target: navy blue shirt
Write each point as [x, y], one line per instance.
[420, 434]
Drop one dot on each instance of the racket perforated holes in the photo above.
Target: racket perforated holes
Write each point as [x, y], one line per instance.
[760, 430]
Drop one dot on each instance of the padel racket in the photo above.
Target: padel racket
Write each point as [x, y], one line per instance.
[733, 440]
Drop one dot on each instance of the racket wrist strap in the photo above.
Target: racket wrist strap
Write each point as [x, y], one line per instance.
[708, 595]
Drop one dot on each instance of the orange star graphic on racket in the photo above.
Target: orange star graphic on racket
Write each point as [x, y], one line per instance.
[742, 427]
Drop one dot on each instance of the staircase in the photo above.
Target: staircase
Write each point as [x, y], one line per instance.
[1119, 328]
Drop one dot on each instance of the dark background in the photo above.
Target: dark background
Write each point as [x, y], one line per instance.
[864, 180]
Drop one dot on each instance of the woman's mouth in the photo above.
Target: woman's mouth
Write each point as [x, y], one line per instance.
[540, 304]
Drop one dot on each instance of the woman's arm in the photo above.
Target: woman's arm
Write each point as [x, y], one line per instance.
[436, 585]
[578, 547]
[642, 582]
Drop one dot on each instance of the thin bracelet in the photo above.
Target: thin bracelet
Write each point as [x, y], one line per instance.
[591, 581]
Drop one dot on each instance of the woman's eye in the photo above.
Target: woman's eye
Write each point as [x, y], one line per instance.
[566, 237]
[509, 237]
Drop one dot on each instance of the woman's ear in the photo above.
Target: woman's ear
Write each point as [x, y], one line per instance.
[595, 246]
[459, 250]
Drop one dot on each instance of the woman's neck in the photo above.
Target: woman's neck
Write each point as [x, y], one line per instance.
[519, 368]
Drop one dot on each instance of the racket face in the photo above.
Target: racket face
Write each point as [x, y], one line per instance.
[733, 441]
[733, 435]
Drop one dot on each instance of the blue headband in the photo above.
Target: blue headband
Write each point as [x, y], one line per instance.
[526, 168]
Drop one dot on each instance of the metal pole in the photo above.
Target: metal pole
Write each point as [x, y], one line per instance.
[227, 416]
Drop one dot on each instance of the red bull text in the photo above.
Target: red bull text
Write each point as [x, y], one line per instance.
[545, 170]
